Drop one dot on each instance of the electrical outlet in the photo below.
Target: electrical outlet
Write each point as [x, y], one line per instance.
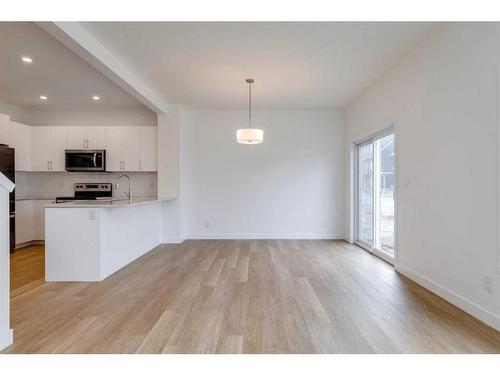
[488, 284]
[91, 214]
[325, 223]
[207, 224]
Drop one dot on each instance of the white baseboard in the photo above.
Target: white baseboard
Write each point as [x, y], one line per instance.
[173, 240]
[6, 338]
[29, 243]
[462, 303]
[256, 236]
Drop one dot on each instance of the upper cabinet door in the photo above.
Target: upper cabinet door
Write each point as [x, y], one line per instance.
[58, 146]
[4, 129]
[77, 137]
[21, 142]
[96, 137]
[131, 144]
[147, 157]
[114, 154]
[41, 148]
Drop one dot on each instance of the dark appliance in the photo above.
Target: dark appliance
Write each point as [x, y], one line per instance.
[89, 191]
[7, 162]
[86, 160]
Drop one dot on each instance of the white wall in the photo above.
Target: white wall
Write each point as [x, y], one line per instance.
[290, 186]
[169, 174]
[443, 101]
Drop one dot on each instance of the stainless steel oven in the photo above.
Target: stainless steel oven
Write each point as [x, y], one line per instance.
[86, 160]
[89, 191]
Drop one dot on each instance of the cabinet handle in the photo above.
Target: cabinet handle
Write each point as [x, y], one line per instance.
[51, 165]
[48, 165]
[140, 165]
[124, 165]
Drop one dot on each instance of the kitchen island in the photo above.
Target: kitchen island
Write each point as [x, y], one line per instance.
[90, 240]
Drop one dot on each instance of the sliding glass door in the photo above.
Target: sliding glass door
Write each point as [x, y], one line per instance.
[375, 183]
[365, 194]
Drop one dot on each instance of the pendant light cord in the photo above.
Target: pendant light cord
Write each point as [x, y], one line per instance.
[250, 104]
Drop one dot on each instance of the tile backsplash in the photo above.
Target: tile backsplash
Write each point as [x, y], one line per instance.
[55, 184]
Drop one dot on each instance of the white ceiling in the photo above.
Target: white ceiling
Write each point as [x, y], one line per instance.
[67, 80]
[295, 65]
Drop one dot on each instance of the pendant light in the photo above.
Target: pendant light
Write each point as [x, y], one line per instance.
[249, 136]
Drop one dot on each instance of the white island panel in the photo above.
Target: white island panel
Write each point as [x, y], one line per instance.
[89, 242]
[71, 245]
[127, 234]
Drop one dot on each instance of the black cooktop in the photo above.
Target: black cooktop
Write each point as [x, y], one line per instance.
[69, 199]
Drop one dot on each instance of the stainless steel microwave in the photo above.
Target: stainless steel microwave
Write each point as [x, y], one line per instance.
[86, 160]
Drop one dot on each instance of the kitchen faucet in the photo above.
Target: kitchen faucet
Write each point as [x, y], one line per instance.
[129, 194]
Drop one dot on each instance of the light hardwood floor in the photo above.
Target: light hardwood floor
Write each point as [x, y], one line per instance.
[278, 296]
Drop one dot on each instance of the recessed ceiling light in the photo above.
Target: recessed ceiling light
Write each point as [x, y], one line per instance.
[95, 97]
[27, 59]
[43, 97]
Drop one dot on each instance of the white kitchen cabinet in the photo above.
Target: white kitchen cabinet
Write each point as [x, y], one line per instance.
[147, 156]
[77, 137]
[49, 144]
[131, 148]
[24, 222]
[4, 129]
[21, 142]
[41, 148]
[114, 147]
[57, 148]
[96, 137]
[30, 220]
[86, 137]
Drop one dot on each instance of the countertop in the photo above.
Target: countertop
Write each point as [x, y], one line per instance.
[35, 198]
[108, 203]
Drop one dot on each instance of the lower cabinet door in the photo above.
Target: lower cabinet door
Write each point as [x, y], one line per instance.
[24, 221]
